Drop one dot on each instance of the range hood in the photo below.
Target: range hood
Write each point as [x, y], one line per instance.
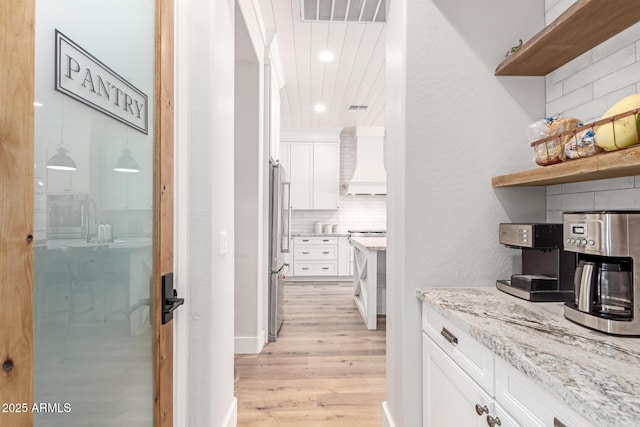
[370, 176]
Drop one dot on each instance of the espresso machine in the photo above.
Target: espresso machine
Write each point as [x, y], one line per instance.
[547, 269]
[607, 278]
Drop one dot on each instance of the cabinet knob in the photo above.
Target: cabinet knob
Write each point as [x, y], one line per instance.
[481, 409]
[492, 422]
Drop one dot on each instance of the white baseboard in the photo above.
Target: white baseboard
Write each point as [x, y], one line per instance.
[387, 420]
[249, 345]
[231, 420]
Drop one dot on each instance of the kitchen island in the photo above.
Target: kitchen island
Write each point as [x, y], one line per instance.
[117, 272]
[589, 377]
[370, 277]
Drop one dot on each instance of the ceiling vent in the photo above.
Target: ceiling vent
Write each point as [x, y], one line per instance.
[357, 108]
[343, 10]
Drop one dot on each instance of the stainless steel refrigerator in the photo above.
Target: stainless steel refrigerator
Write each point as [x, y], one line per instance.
[279, 243]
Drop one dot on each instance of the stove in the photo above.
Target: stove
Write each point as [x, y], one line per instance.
[368, 233]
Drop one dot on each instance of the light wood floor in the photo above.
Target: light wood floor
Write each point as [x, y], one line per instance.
[326, 369]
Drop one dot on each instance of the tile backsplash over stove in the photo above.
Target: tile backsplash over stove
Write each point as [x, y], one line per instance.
[356, 211]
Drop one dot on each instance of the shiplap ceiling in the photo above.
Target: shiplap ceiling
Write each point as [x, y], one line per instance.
[356, 76]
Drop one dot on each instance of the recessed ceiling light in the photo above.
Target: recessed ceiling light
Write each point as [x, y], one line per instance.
[326, 56]
[319, 108]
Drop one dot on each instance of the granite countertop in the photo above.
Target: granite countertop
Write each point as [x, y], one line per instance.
[120, 243]
[370, 243]
[595, 374]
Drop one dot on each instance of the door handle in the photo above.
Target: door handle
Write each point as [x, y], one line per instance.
[170, 300]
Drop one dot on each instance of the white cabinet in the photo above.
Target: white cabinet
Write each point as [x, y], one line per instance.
[301, 175]
[451, 397]
[314, 171]
[315, 256]
[460, 373]
[326, 175]
[319, 256]
[345, 257]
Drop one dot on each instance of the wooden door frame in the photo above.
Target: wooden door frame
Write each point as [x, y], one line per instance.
[163, 209]
[17, 88]
[17, 62]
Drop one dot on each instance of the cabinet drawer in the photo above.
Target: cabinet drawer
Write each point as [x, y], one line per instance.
[317, 268]
[529, 403]
[315, 252]
[316, 240]
[474, 358]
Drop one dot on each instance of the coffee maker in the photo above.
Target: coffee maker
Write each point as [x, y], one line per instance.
[607, 279]
[547, 269]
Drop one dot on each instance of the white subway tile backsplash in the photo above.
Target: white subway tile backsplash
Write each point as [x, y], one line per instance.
[556, 10]
[569, 68]
[625, 38]
[554, 216]
[600, 69]
[554, 91]
[569, 202]
[570, 100]
[554, 189]
[600, 185]
[625, 77]
[618, 199]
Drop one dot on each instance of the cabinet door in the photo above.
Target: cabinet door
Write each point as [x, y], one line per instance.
[343, 256]
[326, 175]
[450, 395]
[301, 172]
[502, 418]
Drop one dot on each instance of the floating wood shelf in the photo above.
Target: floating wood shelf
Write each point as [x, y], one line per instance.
[581, 27]
[614, 164]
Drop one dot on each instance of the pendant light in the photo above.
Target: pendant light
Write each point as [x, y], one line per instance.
[61, 160]
[126, 162]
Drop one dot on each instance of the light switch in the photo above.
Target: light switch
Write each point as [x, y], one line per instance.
[223, 242]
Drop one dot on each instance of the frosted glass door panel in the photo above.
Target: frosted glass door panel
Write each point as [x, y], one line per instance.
[93, 361]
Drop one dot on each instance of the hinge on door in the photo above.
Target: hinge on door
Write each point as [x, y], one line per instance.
[170, 300]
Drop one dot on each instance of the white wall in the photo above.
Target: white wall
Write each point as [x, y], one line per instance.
[205, 141]
[451, 126]
[585, 88]
[249, 202]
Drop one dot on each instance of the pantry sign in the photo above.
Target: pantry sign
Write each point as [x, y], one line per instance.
[83, 77]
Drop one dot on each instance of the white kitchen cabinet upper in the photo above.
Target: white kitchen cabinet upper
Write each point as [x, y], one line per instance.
[326, 175]
[314, 171]
[301, 175]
